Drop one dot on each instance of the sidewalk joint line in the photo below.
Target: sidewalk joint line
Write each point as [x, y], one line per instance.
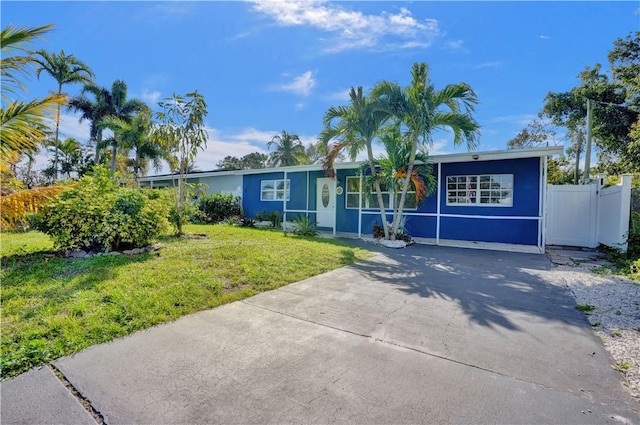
[84, 402]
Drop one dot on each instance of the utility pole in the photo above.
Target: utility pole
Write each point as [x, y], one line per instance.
[576, 173]
[587, 153]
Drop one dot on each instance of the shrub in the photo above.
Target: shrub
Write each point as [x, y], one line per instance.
[303, 226]
[98, 215]
[217, 207]
[275, 217]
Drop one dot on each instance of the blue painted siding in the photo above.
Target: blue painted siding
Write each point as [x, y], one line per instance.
[526, 198]
[514, 231]
[251, 203]
[526, 177]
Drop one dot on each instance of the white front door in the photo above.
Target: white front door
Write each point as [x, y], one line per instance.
[325, 202]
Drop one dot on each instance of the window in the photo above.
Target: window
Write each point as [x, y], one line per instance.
[371, 200]
[274, 190]
[492, 190]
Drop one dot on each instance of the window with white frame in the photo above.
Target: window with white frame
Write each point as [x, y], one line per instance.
[371, 200]
[480, 190]
[274, 190]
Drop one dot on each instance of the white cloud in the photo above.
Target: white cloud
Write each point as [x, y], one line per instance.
[339, 96]
[521, 119]
[70, 126]
[494, 64]
[150, 97]
[457, 45]
[545, 37]
[300, 85]
[352, 29]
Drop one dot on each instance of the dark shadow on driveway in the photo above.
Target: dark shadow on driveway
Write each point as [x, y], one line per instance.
[483, 283]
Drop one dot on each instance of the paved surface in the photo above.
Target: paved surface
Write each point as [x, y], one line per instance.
[420, 335]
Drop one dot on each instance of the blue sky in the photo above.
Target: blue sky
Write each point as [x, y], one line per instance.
[268, 66]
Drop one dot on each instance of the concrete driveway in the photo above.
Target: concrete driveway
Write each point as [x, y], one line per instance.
[420, 335]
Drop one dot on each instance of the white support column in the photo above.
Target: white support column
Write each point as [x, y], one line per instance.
[542, 213]
[438, 202]
[335, 201]
[284, 202]
[360, 208]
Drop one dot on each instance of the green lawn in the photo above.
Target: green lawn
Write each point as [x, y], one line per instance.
[52, 306]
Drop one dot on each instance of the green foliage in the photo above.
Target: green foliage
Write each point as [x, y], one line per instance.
[180, 131]
[304, 226]
[275, 217]
[98, 215]
[585, 308]
[217, 207]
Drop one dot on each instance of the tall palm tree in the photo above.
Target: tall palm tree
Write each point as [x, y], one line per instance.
[354, 127]
[109, 103]
[392, 168]
[422, 110]
[135, 136]
[289, 149]
[22, 124]
[93, 111]
[65, 70]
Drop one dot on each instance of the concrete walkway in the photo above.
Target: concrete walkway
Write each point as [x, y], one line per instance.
[420, 335]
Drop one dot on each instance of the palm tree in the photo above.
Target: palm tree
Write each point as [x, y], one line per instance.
[135, 135]
[22, 124]
[109, 103]
[392, 168]
[65, 70]
[422, 110]
[289, 150]
[356, 127]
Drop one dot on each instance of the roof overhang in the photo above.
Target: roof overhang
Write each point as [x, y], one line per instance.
[445, 158]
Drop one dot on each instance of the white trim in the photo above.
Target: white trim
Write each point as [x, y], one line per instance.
[542, 208]
[438, 204]
[436, 159]
[359, 206]
[478, 190]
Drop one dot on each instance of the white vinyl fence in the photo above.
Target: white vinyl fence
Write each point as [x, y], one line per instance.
[588, 215]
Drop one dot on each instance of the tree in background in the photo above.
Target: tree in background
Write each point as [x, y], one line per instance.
[421, 110]
[288, 150]
[538, 134]
[353, 128]
[251, 161]
[616, 106]
[180, 131]
[119, 112]
[65, 70]
[135, 135]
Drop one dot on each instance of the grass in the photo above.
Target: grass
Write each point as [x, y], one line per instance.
[52, 306]
[585, 308]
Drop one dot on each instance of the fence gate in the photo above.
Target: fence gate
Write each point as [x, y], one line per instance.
[572, 214]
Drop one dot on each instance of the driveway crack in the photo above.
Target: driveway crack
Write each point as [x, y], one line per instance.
[84, 402]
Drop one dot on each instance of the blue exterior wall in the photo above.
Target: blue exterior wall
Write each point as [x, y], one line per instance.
[526, 198]
[251, 203]
[526, 203]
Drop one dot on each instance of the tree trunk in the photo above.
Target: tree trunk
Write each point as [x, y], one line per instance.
[113, 155]
[57, 143]
[397, 218]
[383, 214]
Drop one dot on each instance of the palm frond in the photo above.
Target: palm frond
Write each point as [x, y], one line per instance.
[14, 208]
[22, 125]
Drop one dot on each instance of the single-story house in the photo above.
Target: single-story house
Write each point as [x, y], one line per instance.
[483, 199]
